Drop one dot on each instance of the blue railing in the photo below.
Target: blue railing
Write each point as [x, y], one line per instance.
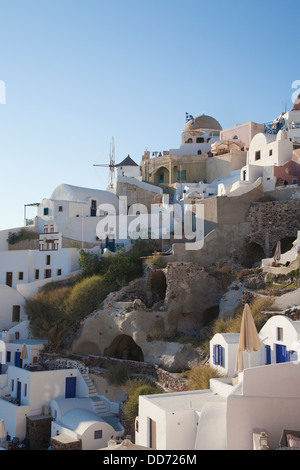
[274, 127]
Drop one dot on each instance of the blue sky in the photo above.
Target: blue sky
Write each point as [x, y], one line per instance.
[78, 72]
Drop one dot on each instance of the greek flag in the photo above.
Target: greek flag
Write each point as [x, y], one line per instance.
[188, 117]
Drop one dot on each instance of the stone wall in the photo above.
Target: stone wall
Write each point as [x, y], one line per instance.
[272, 221]
[65, 442]
[167, 380]
[38, 431]
[226, 228]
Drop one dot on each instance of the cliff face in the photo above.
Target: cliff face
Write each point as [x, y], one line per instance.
[138, 322]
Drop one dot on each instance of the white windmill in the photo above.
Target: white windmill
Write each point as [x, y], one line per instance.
[111, 165]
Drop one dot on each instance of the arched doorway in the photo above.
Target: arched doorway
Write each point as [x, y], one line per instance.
[158, 286]
[253, 253]
[286, 244]
[124, 347]
[161, 176]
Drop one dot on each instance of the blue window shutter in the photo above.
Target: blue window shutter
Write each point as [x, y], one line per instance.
[268, 354]
[287, 356]
[220, 355]
[214, 353]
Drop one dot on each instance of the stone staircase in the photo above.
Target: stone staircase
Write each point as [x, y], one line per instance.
[99, 404]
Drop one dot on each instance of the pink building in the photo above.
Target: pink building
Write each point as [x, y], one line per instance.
[290, 171]
[244, 132]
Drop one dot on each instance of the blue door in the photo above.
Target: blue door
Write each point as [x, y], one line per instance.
[268, 354]
[280, 353]
[70, 387]
[18, 359]
[19, 392]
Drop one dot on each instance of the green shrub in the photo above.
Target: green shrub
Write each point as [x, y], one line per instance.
[141, 387]
[200, 376]
[46, 310]
[117, 374]
[22, 234]
[160, 261]
[86, 296]
[122, 268]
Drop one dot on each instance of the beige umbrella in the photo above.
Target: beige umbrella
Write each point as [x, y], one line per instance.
[249, 339]
[277, 254]
[24, 353]
[3, 432]
[125, 445]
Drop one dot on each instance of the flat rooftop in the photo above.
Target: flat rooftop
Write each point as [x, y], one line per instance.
[184, 400]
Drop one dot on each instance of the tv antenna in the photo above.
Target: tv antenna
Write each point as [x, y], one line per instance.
[111, 165]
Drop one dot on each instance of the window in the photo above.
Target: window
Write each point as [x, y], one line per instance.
[182, 175]
[58, 272]
[16, 313]
[93, 208]
[21, 275]
[199, 152]
[46, 211]
[267, 354]
[189, 141]
[98, 434]
[270, 153]
[12, 385]
[47, 273]
[37, 274]
[200, 140]
[160, 177]
[218, 355]
[244, 175]
[25, 390]
[8, 356]
[48, 260]
[257, 155]
[279, 334]
[60, 208]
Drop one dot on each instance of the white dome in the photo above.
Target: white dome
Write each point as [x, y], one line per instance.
[66, 192]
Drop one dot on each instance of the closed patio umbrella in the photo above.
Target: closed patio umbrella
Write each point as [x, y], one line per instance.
[277, 254]
[3, 432]
[24, 353]
[249, 339]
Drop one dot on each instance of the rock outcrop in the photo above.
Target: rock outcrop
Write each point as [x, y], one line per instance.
[173, 302]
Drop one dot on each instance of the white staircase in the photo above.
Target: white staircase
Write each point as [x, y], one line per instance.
[99, 404]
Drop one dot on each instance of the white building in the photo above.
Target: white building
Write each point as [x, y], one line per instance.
[264, 396]
[74, 211]
[12, 307]
[198, 136]
[76, 418]
[62, 394]
[280, 339]
[20, 267]
[271, 149]
[129, 169]
[170, 421]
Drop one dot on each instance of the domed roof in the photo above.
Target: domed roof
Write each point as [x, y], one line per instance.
[67, 192]
[203, 122]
